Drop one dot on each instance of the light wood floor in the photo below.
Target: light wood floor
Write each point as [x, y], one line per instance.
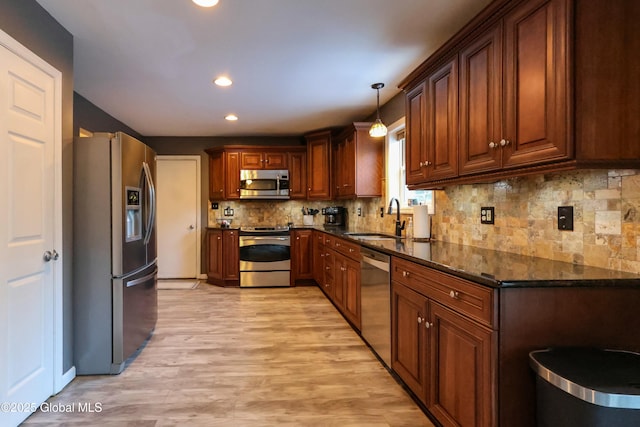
[244, 357]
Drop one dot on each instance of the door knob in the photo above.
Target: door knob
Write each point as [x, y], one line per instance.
[47, 256]
[191, 227]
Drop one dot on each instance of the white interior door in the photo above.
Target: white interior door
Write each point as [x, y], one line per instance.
[29, 263]
[178, 221]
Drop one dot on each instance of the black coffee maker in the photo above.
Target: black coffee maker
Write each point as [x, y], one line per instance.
[335, 216]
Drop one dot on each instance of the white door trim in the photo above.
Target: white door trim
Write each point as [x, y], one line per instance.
[60, 378]
[198, 203]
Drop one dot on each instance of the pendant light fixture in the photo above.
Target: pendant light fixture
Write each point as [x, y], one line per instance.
[377, 129]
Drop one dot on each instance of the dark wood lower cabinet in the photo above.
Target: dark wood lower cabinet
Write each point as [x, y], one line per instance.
[460, 377]
[409, 338]
[223, 257]
[447, 359]
[301, 257]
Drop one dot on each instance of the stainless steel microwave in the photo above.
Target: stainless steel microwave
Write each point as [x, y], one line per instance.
[264, 184]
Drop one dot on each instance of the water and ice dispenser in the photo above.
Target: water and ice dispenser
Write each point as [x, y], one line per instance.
[133, 226]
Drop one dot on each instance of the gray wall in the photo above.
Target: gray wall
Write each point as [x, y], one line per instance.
[31, 25]
[90, 117]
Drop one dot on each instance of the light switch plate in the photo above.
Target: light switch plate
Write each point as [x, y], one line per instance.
[487, 215]
[565, 218]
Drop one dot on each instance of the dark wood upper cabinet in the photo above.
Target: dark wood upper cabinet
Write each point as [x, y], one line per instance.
[442, 122]
[298, 174]
[358, 168]
[416, 140]
[535, 84]
[263, 160]
[481, 103]
[319, 165]
[544, 86]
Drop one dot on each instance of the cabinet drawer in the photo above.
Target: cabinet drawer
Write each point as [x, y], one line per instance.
[470, 299]
[349, 249]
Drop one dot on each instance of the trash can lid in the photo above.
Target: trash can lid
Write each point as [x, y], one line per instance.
[608, 378]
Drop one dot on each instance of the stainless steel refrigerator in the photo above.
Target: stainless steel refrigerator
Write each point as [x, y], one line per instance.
[115, 272]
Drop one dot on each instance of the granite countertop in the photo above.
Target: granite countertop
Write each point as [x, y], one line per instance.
[489, 267]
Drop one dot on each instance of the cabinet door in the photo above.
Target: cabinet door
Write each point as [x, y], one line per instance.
[461, 370]
[536, 83]
[416, 151]
[231, 257]
[232, 173]
[481, 103]
[275, 160]
[318, 257]
[298, 175]
[347, 164]
[339, 282]
[301, 258]
[442, 123]
[408, 337]
[216, 176]
[214, 254]
[319, 166]
[251, 160]
[329, 279]
[351, 275]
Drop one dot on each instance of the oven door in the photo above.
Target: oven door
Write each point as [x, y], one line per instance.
[265, 261]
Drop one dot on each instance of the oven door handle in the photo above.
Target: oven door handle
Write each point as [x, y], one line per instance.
[263, 238]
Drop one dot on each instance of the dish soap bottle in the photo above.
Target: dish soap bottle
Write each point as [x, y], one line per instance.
[409, 229]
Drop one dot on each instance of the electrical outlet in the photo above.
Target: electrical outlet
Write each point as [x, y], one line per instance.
[359, 211]
[565, 218]
[382, 212]
[487, 215]
[214, 205]
[228, 211]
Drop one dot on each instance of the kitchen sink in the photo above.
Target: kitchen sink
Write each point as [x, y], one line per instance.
[372, 236]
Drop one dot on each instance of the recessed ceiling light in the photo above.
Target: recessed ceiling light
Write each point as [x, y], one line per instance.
[231, 117]
[223, 81]
[206, 3]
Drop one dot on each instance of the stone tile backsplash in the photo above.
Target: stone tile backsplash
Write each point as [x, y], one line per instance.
[606, 207]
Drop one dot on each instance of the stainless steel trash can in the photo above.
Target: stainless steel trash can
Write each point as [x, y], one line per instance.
[586, 387]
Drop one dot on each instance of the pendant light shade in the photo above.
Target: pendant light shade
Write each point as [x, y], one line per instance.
[377, 129]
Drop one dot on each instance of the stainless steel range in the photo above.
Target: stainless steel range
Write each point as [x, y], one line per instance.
[265, 256]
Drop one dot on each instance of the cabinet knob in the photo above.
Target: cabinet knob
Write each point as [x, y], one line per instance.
[504, 142]
[493, 145]
[298, 238]
[321, 255]
[327, 268]
[454, 294]
[337, 245]
[309, 189]
[219, 237]
[427, 163]
[419, 319]
[343, 269]
[428, 325]
[405, 274]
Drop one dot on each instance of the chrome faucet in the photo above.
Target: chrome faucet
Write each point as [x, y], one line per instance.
[399, 226]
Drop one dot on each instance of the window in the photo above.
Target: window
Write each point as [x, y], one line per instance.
[396, 174]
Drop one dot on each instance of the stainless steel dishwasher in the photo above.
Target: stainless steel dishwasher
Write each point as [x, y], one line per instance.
[375, 297]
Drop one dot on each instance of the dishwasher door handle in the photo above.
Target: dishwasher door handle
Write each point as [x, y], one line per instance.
[384, 266]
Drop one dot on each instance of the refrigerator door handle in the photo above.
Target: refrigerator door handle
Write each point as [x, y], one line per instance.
[152, 202]
[142, 279]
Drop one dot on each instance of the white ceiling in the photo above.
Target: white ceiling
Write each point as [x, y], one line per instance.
[297, 65]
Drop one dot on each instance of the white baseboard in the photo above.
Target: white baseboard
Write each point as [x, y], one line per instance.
[64, 380]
